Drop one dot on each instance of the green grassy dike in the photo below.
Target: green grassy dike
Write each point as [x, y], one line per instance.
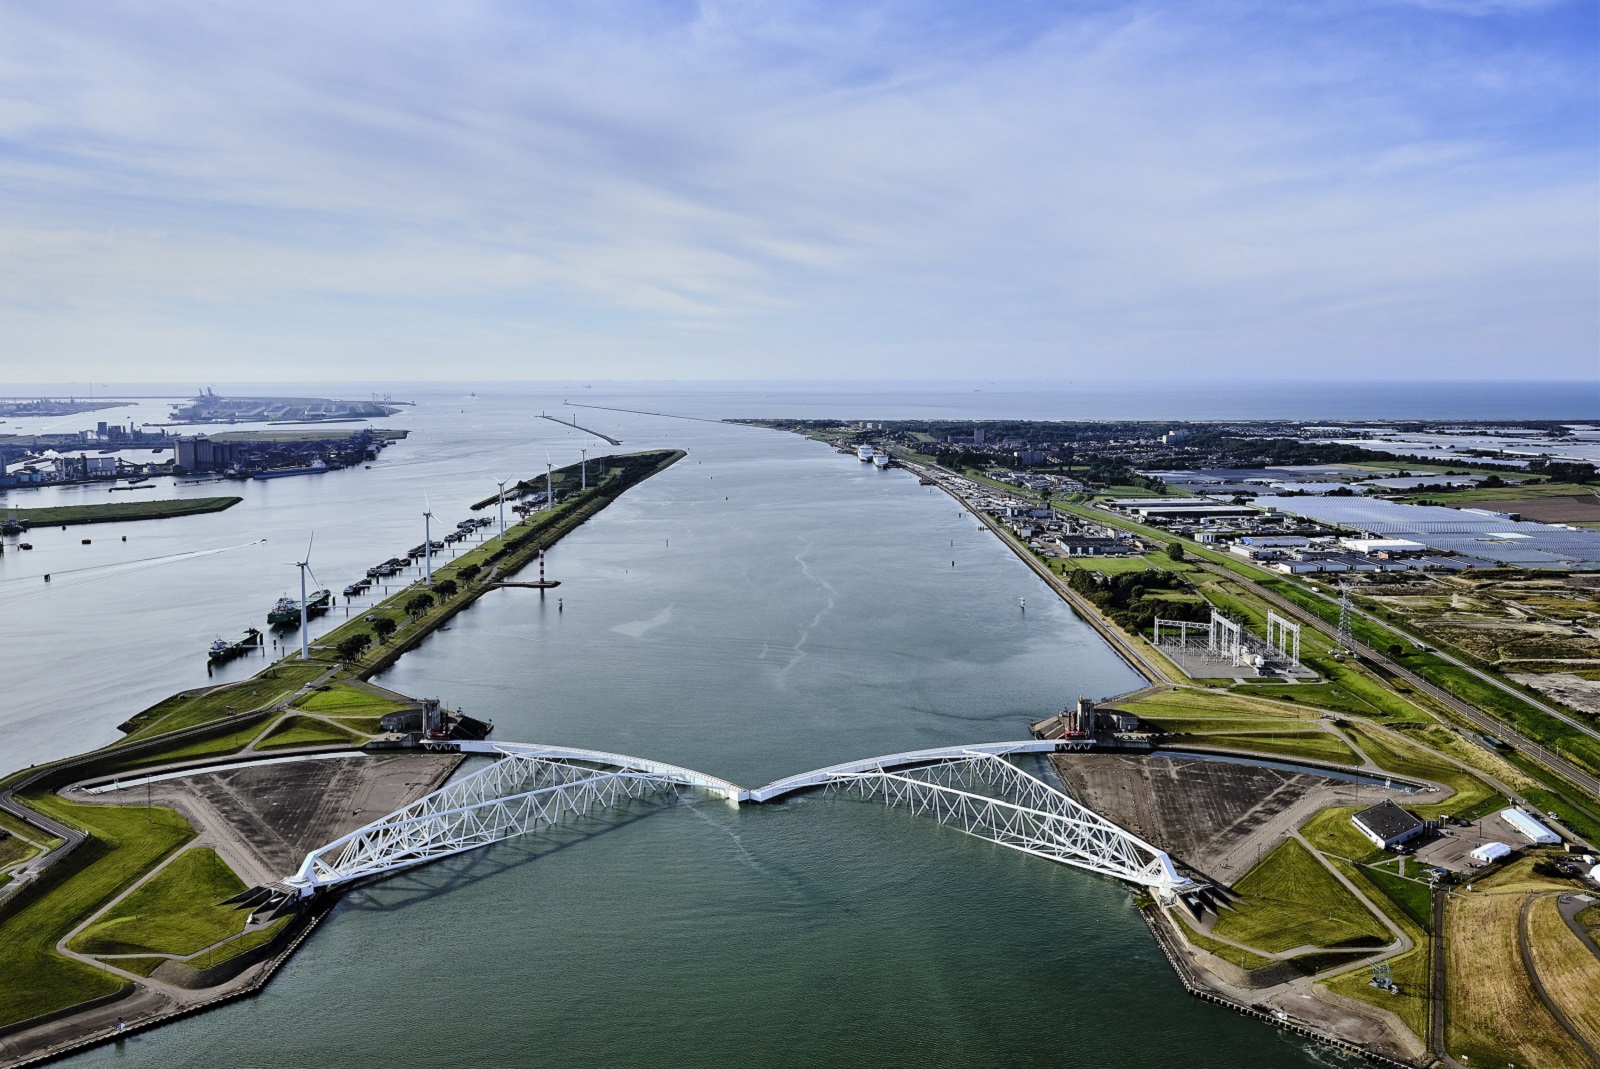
[176, 911]
[118, 511]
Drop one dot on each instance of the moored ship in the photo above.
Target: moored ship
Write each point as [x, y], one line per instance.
[317, 466]
[864, 453]
[287, 611]
[223, 650]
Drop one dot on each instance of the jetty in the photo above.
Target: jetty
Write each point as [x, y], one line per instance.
[587, 430]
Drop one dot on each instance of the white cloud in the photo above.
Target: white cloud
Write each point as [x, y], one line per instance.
[778, 190]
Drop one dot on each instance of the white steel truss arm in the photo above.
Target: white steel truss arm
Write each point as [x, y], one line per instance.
[511, 797]
[1050, 825]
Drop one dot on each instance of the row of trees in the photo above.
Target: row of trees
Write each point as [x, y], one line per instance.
[383, 626]
[1123, 597]
[631, 468]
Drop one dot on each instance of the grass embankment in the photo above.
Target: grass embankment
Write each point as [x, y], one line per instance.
[1496, 1016]
[13, 849]
[1403, 759]
[212, 745]
[1404, 902]
[124, 511]
[342, 699]
[177, 911]
[234, 947]
[1233, 955]
[1569, 972]
[1414, 897]
[1577, 810]
[1410, 973]
[192, 709]
[307, 731]
[1235, 721]
[124, 843]
[1291, 900]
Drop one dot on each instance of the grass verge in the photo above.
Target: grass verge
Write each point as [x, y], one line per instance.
[1314, 745]
[124, 843]
[177, 911]
[1291, 900]
[306, 731]
[258, 692]
[234, 947]
[1231, 954]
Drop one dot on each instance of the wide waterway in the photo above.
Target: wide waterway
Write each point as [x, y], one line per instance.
[764, 607]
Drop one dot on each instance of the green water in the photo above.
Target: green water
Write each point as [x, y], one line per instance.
[766, 607]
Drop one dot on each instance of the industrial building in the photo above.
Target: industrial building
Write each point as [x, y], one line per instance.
[1387, 825]
[1528, 828]
[1492, 537]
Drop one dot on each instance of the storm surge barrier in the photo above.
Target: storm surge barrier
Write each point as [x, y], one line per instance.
[531, 787]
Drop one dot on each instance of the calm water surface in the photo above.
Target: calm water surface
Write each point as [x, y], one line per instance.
[764, 607]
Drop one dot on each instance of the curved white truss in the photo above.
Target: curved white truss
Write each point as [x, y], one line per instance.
[688, 777]
[534, 786]
[820, 777]
[1032, 816]
[511, 797]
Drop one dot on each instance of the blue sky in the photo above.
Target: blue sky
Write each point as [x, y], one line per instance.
[1314, 190]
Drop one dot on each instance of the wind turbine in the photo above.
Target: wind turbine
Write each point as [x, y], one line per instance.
[502, 485]
[305, 566]
[427, 538]
[584, 453]
[549, 481]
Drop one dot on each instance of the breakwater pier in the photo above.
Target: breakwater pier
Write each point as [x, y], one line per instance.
[587, 430]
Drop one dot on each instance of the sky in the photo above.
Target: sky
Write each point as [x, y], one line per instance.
[925, 190]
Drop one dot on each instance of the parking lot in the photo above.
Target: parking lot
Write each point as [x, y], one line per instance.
[1448, 849]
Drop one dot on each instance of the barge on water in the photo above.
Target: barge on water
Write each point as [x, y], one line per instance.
[287, 612]
[223, 650]
[316, 467]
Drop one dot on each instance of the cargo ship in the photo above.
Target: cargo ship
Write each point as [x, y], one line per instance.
[317, 466]
[287, 612]
[223, 650]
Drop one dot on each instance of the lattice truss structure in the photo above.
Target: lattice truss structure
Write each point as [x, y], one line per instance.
[517, 794]
[987, 796]
[1227, 642]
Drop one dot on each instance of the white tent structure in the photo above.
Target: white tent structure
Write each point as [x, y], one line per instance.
[1488, 852]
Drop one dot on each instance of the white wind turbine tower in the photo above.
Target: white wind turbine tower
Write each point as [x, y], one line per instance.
[549, 481]
[427, 538]
[584, 462]
[502, 485]
[305, 566]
